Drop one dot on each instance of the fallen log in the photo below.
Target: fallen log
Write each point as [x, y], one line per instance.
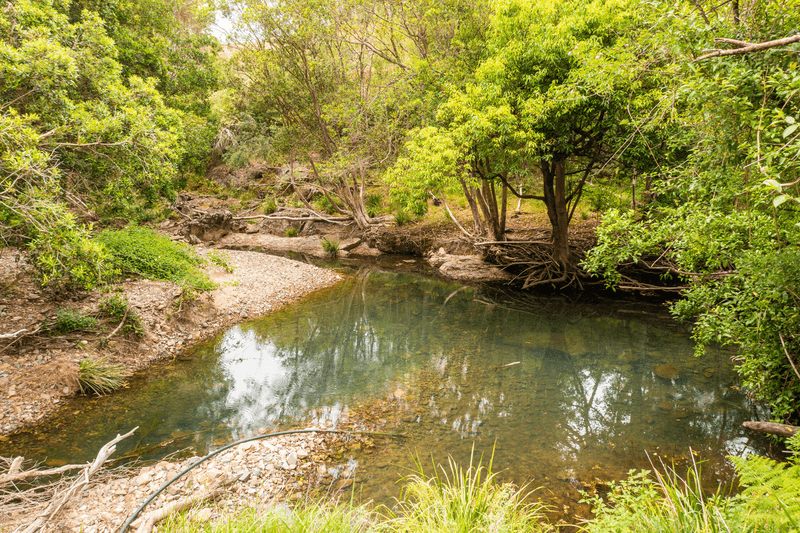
[332, 220]
[773, 428]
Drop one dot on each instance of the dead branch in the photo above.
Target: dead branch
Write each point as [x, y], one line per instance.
[453, 218]
[332, 220]
[18, 336]
[773, 428]
[15, 474]
[780, 335]
[12, 335]
[146, 523]
[503, 243]
[60, 499]
[124, 317]
[745, 48]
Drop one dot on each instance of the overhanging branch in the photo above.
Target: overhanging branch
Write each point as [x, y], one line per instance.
[745, 47]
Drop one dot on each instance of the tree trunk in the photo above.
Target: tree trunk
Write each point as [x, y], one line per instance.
[555, 183]
[503, 210]
[489, 207]
[473, 206]
[351, 200]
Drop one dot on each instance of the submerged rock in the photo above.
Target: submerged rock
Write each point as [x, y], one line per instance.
[666, 371]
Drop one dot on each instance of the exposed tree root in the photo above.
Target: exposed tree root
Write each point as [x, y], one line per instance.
[532, 263]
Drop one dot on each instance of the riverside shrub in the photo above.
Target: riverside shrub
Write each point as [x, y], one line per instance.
[141, 251]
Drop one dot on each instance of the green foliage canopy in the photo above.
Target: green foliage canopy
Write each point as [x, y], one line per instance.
[723, 218]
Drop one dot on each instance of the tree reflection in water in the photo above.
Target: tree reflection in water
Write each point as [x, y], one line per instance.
[584, 394]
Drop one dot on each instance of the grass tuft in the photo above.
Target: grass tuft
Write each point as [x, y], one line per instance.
[291, 232]
[402, 218]
[98, 377]
[373, 202]
[331, 247]
[463, 499]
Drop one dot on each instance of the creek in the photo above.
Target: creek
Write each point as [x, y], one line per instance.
[591, 390]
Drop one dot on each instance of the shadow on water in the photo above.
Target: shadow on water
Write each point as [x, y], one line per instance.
[595, 387]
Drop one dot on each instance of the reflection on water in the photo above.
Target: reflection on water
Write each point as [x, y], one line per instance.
[595, 386]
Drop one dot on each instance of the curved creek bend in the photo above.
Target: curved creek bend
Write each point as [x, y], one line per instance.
[597, 387]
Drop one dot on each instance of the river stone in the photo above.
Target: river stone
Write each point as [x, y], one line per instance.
[666, 371]
[142, 479]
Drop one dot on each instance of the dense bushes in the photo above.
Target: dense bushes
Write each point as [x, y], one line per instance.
[95, 123]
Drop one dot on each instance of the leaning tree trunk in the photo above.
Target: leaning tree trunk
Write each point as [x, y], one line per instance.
[352, 198]
[555, 198]
[469, 193]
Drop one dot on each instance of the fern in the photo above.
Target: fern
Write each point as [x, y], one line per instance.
[771, 493]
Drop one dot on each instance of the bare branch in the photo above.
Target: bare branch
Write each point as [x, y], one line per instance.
[747, 47]
[780, 335]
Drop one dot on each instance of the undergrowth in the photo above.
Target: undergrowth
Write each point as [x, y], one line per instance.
[470, 500]
[221, 259]
[453, 500]
[670, 503]
[143, 252]
[68, 320]
[118, 308]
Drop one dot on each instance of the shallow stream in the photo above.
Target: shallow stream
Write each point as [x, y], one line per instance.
[590, 390]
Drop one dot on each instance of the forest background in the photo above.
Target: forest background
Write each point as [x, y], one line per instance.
[107, 108]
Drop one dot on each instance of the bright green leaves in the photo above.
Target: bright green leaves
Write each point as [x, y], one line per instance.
[791, 128]
[725, 212]
[432, 162]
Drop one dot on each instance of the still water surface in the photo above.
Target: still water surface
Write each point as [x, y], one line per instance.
[590, 397]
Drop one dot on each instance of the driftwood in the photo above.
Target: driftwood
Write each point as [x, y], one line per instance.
[773, 428]
[507, 365]
[16, 474]
[12, 335]
[146, 523]
[60, 499]
[745, 47]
